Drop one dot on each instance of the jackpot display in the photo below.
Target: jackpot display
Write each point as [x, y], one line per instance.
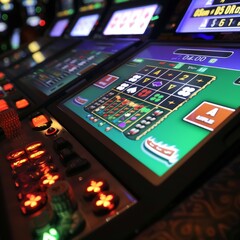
[211, 16]
[162, 103]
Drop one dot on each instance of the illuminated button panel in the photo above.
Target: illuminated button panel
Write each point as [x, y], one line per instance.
[10, 96]
[60, 189]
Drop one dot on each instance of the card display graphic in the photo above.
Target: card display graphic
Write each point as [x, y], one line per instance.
[146, 98]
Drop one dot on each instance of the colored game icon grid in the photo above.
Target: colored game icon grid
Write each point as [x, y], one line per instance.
[146, 98]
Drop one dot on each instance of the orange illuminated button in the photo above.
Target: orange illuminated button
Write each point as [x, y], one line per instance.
[15, 154]
[105, 202]
[33, 202]
[33, 146]
[3, 105]
[41, 122]
[49, 179]
[94, 187]
[37, 154]
[18, 163]
[22, 103]
[8, 87]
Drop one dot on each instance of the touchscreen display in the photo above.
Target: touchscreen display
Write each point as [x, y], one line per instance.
[130, 21]
[59, 28]
[84, 25]
[211, 16]
[162, 103]
[59, 72]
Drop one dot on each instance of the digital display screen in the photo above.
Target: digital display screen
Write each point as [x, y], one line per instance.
[130, 21]
[211, 16]
[59, 27]
[161, 103]
[61, 71]
[65, 5]
[84, 25]
[92, 1]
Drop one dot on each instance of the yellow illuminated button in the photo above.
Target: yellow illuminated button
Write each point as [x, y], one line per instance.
[33, 146]
[15, 154]
[105, 202]
[94, 187]
[37, 154]
[49, 179]
[32, 202]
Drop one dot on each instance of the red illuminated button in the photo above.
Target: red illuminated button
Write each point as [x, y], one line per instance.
[41, 122]
[33, 146]
[94, 187]
[49, 179]
[15, 154]
[33, 202]
[8, 87]
[22, 103]
[2, 76]
[3, 105]
[51, 131]
[105, 202]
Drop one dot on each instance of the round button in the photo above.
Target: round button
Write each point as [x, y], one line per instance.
[105, 202]
[33, 202]
[94, 187]
[51, 131]
[48, 180]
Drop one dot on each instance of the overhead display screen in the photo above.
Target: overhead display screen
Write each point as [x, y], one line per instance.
[162, 103]
[84, 25]
[130, 21]
[211, 16]
[59, 27]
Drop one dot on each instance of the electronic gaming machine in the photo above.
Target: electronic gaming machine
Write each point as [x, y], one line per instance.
[54, 31]
[110, 155]
[54, 77]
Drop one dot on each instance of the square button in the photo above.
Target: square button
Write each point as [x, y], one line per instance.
[208, 115]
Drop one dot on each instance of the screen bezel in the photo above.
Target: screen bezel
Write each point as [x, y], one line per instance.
[127, 5]
[123, 158]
